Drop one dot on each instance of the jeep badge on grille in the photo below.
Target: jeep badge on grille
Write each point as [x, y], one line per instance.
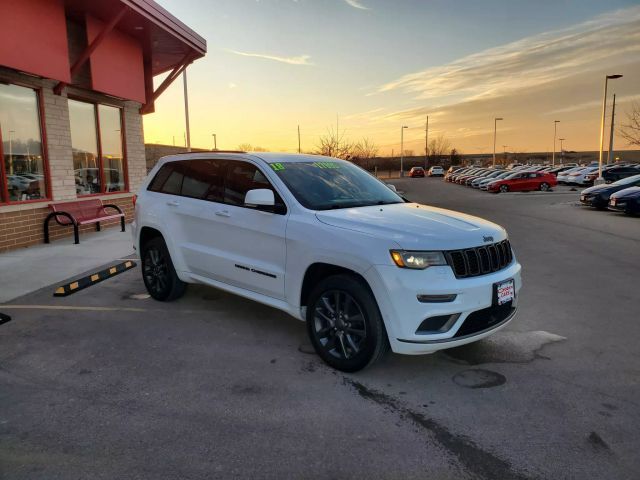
[487, 239]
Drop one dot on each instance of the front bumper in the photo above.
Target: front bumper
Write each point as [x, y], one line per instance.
[618, 206]
[396, 290]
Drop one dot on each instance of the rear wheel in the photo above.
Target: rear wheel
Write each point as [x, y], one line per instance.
[544, 187]
[158, 273]
[344, 324]
[504, 188]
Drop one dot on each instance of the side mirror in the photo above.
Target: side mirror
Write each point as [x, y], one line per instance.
[260, 197]
[392, 187]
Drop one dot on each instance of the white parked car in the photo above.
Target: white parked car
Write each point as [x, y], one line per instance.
[578, 177]
[436, 172]
[326, 242]
[563, 177]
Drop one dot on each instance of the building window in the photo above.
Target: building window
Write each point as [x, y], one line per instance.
[22, 176]
[96, 142]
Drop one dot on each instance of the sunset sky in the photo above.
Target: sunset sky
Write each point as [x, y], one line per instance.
[379, 64]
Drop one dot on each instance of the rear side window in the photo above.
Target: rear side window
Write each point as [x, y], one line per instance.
[202, 179]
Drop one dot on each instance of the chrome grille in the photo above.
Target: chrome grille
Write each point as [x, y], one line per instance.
[472, 262]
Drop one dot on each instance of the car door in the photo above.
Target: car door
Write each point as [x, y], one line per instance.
[188, 188]
[247, 244]
[517, 183]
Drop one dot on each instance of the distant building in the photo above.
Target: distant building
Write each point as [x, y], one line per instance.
[75, 79]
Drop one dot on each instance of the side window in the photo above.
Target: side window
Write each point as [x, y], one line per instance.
[203, 179]
[167, 180]
[242, 177]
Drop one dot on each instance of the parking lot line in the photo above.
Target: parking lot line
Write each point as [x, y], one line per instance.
[73, 307]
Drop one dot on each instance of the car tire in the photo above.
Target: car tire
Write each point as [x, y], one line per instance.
[544, 187]
[158, 272]
[344, 323]
[504, 188]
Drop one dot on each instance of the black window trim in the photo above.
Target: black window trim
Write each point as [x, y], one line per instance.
[224, 185]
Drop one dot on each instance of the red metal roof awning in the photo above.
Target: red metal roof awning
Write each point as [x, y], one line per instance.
[164, 38]
[167, 44]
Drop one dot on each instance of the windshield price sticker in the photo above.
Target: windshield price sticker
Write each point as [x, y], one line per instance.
[276, 166]
[326, 164]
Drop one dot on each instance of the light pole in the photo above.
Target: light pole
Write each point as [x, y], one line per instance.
[426, 144]
[555, 133]
[600, 180]
[504, 153]
[562, 150]
[495, 128]
[215, 141]
[613, 117]
[11, 132]
[299, 150]
[186, 110]
[402, 150]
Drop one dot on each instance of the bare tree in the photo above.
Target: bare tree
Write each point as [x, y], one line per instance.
[631, 131]
[247, 147]
[333, 144]
[365, 149]
[408, 153]
[439, 147]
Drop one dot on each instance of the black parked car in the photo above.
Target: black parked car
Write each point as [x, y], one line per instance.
[598, 196]
[627, 201]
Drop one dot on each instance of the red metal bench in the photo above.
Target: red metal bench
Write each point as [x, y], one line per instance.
[82, 212]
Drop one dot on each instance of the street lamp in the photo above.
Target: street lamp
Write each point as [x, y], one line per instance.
[600, 180]
[11, 132]
[562, 150]
[215, 142]
[402, 150]
[555, 133]
[495, 126]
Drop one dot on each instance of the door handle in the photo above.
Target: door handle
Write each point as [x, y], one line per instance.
[173, 203]
[223, 213]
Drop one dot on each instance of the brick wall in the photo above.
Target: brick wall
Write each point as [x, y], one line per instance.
[155, 151]
[22, 224]
[22, 228]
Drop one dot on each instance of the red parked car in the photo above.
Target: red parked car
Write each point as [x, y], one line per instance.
[416, 172]
[524, 182]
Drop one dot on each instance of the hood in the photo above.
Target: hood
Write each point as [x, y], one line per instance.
[597, 189]
[416, 227]
[628, 192]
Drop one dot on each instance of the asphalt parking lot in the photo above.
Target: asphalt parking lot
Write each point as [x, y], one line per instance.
[107, 383]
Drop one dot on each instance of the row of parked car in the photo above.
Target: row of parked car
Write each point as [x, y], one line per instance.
[620, 196]
[520, 178]
[584, 176]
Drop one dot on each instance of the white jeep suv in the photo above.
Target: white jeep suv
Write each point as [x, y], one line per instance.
[328, 243]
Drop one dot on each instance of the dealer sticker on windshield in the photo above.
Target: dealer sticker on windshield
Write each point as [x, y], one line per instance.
[505, 292]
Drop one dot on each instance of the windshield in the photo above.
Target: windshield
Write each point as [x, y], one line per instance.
[628, 180]
[326, 185]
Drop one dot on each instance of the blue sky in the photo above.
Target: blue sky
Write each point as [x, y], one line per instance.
[377, 64]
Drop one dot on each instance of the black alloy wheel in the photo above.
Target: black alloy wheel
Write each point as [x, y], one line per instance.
[339, 324]
[504, 188]
[544, 187]
[158, 273]
[344, 324]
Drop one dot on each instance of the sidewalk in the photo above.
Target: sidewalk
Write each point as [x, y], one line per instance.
[28, 269]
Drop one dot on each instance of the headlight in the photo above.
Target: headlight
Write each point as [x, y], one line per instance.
[417, 260]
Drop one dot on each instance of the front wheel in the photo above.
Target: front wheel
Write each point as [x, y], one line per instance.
[544, 187]
[344, 324]
[158, 273]
[504, 188]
